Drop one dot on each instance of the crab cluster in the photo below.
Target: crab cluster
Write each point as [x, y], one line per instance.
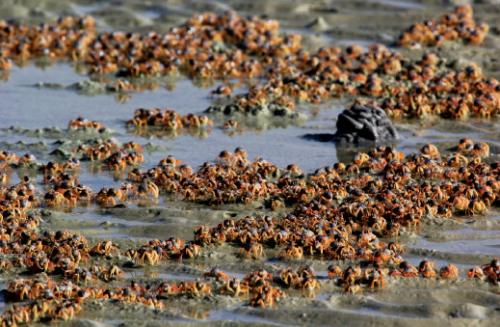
[254, 48]
[11, 159]
[235, 179]
[262, 293]
[68, 38]
[447, 93]
[490, 272]
[257, 103]
[403, 88]
[354, 278]
[50, 300]
[337, 213]
[468, 148]
[303, 279]
[111, 154]
[167, 119]
[44, 310]
[156, 250]
[145, 193]
[81, 123]
[232, 179]
[64, 188]
[64, 195]
[457, 25]
[193, 47]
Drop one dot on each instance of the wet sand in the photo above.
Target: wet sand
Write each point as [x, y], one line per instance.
[465, 242]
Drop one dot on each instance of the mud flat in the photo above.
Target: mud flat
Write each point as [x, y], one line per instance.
[37, 101]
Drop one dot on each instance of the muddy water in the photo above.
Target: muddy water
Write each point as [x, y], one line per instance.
[28, 106]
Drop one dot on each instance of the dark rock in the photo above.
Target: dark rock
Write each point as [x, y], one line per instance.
[362, 123]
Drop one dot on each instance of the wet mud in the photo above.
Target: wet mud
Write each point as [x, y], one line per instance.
[37, 101]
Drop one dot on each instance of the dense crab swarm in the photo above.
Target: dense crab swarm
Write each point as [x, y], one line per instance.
[51, 300]
[211, 46]
[404, 89]
[207, 46]
[457, 25]
[62, 40]
[337, 213]
[48, 299]
[340, 212]
[232, 179]
[449, 93]
[235, 179]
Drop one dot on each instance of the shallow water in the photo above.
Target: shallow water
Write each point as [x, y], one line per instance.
[472, 241]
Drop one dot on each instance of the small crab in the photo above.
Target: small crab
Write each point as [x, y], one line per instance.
[105, 248]
[234, 287]
[190, 250]
[427, 269]
[334, 271]
[195, 288]
[309, 286]
[253, 250]
[292, 253]
[376, 279]
[266, 297]
[218, 274]
[449, 272]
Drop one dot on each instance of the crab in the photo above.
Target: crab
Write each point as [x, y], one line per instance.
[427, 269]
[292, 253]
[449, 272]
[191, 250]
[309, 286]
[406, 270]
[289, 278]
[353, 289]
[254, 251]
[259, 277]
[334, 271]
[195, 288]
[461, 204]
[105, 248]
[375, 279]
[234, 287]
[166, 290]
[430, 150]
[148, 256]
[266, 297]
[492, 271]
[218, 274]
[109, 274]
